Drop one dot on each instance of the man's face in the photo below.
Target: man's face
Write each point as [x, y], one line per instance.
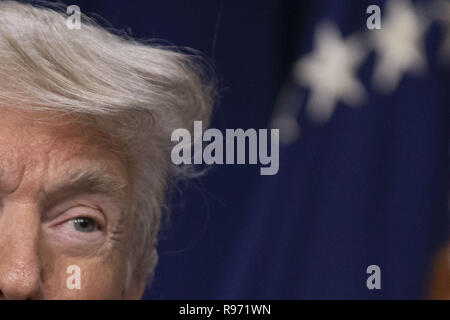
[63, 202]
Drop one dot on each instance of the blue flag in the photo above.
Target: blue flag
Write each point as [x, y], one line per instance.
[359, 206]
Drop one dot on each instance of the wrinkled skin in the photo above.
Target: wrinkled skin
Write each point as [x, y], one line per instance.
[53, 214]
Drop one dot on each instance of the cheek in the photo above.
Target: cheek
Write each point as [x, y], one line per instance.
[70, 243]
[86, 278]
[102, 281]
[103, 273]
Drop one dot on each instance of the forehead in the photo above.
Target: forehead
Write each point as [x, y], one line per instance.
[44, 128]
[52, 142]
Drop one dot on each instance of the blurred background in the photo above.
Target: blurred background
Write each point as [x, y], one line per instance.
[364, 121]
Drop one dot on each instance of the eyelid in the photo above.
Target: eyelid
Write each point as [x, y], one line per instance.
[68, 215]
[97, 203]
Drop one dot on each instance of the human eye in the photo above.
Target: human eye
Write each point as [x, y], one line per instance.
[80, 226]
[84, 224]
[79, 223]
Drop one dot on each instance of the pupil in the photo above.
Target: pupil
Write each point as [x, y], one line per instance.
[84, 224]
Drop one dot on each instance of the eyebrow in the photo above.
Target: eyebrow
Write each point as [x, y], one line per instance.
[91, 181]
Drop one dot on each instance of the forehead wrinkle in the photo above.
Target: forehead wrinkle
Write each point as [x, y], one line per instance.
[10, 177]
[95, 180]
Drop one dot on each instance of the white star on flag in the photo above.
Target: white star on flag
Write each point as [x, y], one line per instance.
[330, 72]
[399, 45]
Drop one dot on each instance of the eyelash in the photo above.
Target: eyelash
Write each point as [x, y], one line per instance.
[74, 213]
[65, 216]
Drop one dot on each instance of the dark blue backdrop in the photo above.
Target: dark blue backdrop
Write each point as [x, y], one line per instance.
[368, 187]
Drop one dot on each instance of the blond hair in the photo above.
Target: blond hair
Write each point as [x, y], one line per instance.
[136, 92]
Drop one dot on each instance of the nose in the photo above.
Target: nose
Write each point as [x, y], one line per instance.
[19, 252]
